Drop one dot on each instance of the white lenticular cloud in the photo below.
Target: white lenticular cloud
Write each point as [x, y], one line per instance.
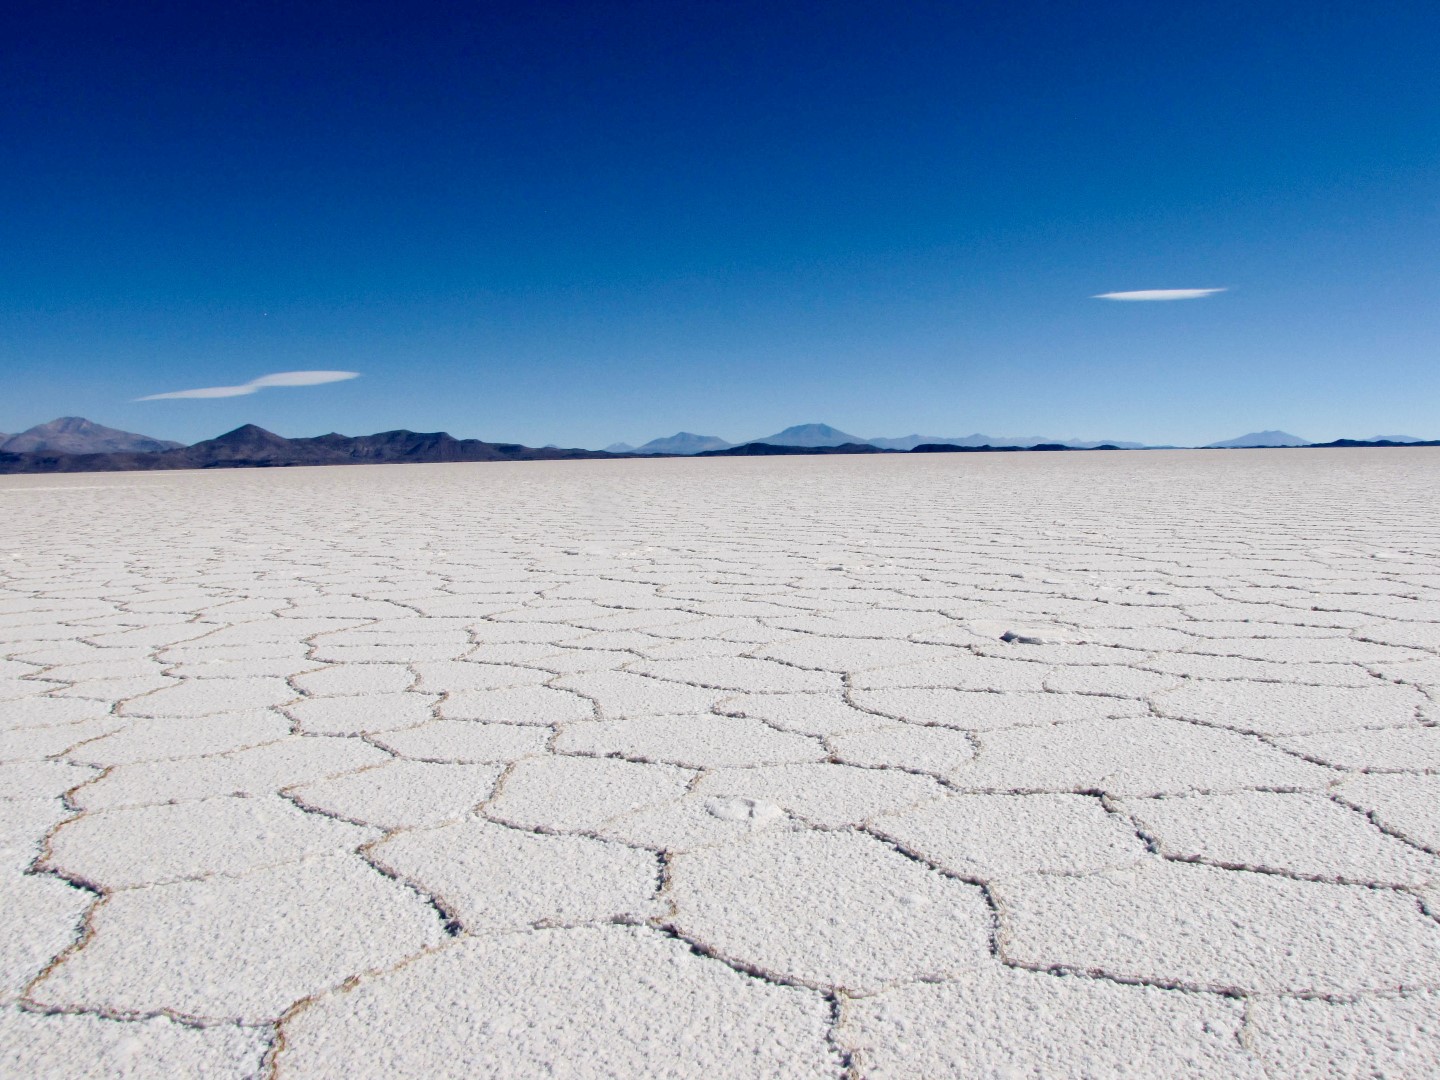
[1159, 294]
[303, 378]
[279, 378]
[203, 392]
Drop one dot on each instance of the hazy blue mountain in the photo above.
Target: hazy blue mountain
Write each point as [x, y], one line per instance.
[1091, 444]
[825, 435]
[76, 435]
[619, 448]
[1259, 438]
[684, 442]
[1394, 438]
[810, 435]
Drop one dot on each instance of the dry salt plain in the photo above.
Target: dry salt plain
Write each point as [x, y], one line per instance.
[1016, 765]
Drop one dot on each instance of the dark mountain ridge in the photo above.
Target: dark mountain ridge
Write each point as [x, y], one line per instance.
[953, 448]
[1370, 442]
[254, 447]
[767, 449]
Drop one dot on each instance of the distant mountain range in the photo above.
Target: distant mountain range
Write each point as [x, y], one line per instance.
[73, 444]
[818, 436]
[823, 436]
[909, 442]
[254, 447]
[76, 435]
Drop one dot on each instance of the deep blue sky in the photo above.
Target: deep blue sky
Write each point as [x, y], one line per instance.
[579, 223]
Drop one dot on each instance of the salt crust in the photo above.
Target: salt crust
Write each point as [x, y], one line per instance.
[227, 956]
[933, 750]
[1077, 765]
[540, 705]
[465, 741]
[85, 1047]
[997, 1021]
[987, 837]
[807, 714]
[978, 710]
[894, 919]
[1139, 756]
[402, 794]
[1288, 709]
[1304, 833]
[360, 715]
[828, 795]
[164, 738]
[42, 917]
[694, 741]
[1406, 805]
[1207, 928]
[1394, 1035]
[205, 696]
[491, 877]
[578, 1003]
[24, 824]
[573, 794]
[256, 771]
[38, 743]
[148, 845]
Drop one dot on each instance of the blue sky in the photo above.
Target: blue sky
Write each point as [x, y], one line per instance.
[581, 223]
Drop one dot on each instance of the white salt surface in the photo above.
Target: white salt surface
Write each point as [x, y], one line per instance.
[964, 765]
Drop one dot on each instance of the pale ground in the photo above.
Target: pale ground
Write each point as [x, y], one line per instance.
[725, 768]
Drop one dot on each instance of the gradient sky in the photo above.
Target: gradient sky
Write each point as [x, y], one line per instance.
[581, 223]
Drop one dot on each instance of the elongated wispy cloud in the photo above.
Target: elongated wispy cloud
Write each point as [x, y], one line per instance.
[280, 378]
[1158, 294]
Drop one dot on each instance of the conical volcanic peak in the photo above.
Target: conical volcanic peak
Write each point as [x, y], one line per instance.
[684, 442]
[1257, 439]
[811, 435]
